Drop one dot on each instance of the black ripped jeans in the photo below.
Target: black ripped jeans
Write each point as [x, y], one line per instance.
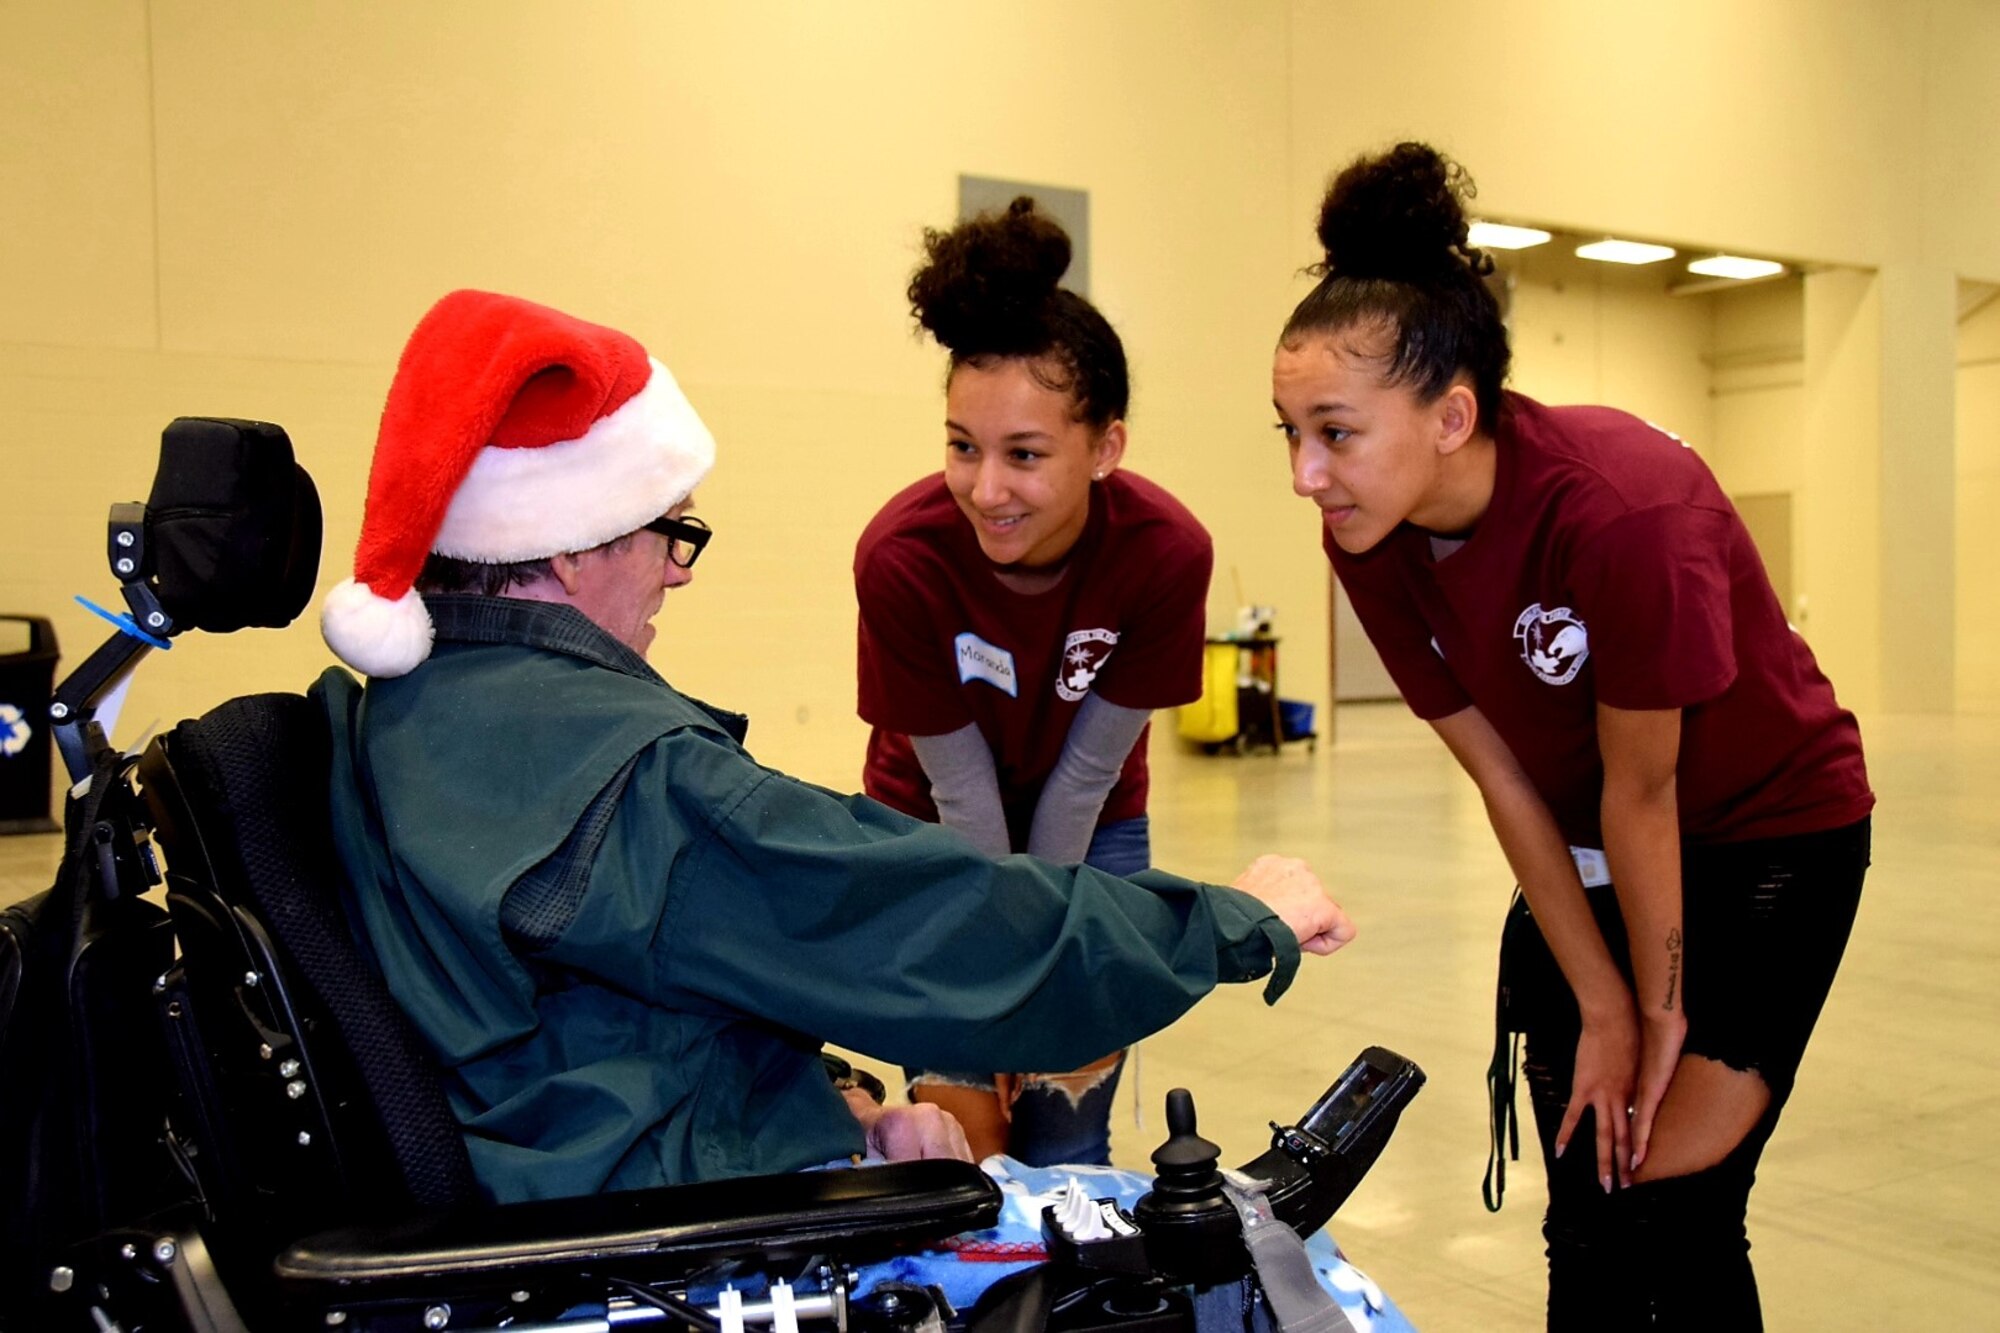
[1765, 923]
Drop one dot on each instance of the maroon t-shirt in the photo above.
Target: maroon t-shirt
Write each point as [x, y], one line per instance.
[943, 642]
[1611, 568]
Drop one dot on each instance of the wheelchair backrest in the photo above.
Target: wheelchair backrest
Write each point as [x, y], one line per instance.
[317, 1099]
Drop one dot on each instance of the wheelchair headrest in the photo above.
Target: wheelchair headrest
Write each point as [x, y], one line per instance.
[232, 526]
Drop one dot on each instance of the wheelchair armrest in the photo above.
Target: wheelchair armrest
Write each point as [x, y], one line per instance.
[654, 1233]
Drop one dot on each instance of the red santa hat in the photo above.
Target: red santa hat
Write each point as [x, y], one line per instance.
[512, 432]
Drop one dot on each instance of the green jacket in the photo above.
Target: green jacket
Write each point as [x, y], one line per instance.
[626, 940]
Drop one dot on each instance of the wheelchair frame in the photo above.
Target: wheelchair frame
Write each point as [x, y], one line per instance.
[317, 1174]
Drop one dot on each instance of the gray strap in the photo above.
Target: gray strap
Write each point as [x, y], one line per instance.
[965, 786]
[1100, 739]
[1298, 1302]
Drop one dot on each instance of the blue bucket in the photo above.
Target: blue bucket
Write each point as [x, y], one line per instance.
[1295, 719]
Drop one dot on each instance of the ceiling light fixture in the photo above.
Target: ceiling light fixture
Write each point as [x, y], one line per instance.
[1735, 266]
[1502, 236]
[1625, 252]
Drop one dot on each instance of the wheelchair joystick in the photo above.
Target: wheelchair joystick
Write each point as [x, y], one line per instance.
[1193, 1233]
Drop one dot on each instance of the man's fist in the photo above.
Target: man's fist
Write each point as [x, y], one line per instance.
[1288, 887]
[906, 1133]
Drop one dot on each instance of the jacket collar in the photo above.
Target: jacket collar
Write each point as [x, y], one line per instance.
[553, 627]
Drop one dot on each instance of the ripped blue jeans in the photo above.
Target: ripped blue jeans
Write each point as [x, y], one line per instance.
[1062, 1119]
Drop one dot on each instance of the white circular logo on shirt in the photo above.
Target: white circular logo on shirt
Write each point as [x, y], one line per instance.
[1554, 644]
[1085, 652]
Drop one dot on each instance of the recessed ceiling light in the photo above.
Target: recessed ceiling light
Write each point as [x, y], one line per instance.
[1625, 252]
[1501, 236]
[1735, 266]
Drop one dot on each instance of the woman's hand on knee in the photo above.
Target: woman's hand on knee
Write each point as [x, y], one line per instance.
[1607, 1056]
[1660, 1037]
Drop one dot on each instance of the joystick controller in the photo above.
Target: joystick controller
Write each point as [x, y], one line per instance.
[1192, 1230]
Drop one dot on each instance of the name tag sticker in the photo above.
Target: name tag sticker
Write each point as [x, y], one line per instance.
[980, 660]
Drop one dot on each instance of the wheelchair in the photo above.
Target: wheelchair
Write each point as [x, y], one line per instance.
[220, 1120]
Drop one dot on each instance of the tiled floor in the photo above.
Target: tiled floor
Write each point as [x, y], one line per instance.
[1879, 1203]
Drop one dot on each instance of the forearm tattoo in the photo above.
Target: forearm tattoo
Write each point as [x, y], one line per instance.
[1673, 964]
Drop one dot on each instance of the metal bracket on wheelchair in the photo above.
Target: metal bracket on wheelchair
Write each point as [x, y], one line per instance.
[731, 1301]
[819, 1293]
[73, 711]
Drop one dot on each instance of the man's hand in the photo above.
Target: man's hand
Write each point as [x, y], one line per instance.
[1288, 887]
[907, 1133]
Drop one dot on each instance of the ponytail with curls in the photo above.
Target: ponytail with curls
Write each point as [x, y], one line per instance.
[988, 290]
[1394, 229]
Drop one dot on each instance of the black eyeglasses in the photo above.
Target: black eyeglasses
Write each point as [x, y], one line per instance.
[685, 538]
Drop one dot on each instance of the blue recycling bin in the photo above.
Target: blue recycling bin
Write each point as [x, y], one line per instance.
[27, 680]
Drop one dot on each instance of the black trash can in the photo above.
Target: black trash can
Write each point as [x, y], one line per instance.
[27, 679]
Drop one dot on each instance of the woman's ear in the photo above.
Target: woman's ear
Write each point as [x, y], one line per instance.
[1108, 451]
[1457, 417]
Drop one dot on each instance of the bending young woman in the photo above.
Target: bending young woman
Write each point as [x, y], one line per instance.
[1569, 599]
[1022, 614]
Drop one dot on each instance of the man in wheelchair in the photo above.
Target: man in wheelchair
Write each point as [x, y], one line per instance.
[610, 923]
[622, 942]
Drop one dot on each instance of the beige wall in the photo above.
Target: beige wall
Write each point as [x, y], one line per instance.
[1839, 496]
[1601, 333]
[1757, 358]
[1857, 134]
[241, 208]
[1978, 497]
[1844, 132]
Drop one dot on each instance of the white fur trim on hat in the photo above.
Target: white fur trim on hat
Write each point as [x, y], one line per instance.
[374, 635]
[629, 468]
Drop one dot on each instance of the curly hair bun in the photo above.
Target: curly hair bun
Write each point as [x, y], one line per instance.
[984, 284]
[1398, 215]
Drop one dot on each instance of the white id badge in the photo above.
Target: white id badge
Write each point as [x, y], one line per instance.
[1592, 866]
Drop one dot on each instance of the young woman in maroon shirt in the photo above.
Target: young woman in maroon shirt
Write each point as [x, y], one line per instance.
[1022, 615]
[1569, 599]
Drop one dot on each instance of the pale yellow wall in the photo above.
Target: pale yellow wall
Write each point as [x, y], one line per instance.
[1599, 333]
[1897, 498]
[1843, 132]
[1916, 474]
[1757, 356]
[241, 208]
[1838, 517]
[1978, 495]
[1858, 134]
[1960, 201]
